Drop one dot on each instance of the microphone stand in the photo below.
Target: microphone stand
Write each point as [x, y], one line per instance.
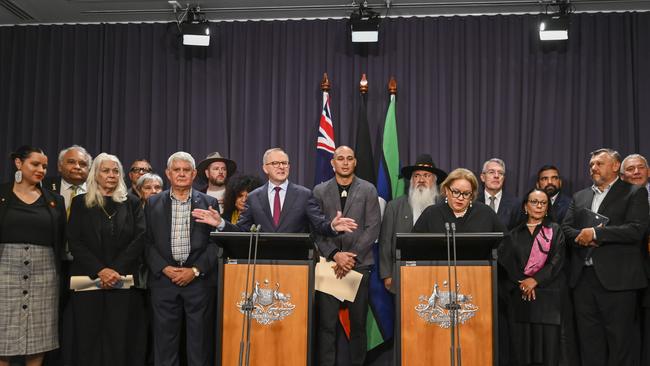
[451, 304]
[456, 306]
[248, 306]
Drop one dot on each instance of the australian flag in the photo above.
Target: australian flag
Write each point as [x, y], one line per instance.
[325, 143]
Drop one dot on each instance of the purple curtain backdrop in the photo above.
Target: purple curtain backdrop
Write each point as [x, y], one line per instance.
[469, 88]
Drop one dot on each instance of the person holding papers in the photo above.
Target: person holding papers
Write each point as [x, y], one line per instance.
[357, 199]
[106, 325]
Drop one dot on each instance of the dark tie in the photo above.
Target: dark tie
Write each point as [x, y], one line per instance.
[492, 205]
[276, 207]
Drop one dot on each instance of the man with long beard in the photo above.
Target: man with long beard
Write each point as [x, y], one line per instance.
[402, 213]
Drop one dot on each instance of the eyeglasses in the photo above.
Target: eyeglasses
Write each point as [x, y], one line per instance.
[498, 173]
[457, 194]
[276, 164]
[538, 202]
[140, 170]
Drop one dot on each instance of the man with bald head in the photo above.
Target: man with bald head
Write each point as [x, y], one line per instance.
[357, 199]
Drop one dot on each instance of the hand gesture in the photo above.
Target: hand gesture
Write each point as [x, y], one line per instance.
[344, 224]
[527, 288]
[344, 263]
[108, 278]
[209, 216]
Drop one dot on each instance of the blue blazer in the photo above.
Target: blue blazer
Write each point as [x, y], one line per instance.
[203, 252]
[300, 213]
[510, 211]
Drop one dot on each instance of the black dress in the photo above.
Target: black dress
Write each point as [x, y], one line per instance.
[534, 325]
[479, 218]
[106, 327]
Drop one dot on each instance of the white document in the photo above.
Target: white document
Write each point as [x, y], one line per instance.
[85, 283]
[344, 288]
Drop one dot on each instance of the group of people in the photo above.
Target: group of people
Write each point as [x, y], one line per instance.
[571, 270]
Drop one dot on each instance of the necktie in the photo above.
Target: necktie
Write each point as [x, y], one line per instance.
[492, 206]
[75, 191]
[276, 207]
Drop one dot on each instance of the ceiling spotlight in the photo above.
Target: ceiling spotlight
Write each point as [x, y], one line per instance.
[555, 26]
[195, 28]
[364, 24]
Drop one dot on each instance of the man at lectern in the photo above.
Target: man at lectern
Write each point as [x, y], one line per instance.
[280, 206]
[357, 199]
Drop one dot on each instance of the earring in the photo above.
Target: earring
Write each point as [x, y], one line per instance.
[470, 204]
[446, 200]
[526, 211]
[18, 176]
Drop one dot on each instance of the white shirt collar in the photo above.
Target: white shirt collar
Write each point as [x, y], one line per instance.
[66, 186]
[284, 186]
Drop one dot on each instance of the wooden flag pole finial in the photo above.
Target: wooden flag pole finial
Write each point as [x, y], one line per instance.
[325, 83]
[392, 86]
[363, 84]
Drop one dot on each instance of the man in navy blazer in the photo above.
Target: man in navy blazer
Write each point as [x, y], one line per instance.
[549, 180]
[280, 206]
[507, 207]
[182, 262]
[607, 262]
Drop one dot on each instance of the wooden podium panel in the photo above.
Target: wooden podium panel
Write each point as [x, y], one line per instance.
[280, 343]
[425, 343]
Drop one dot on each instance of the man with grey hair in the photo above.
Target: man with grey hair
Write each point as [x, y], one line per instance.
[506, 206]
[73, 166]
[605, 225]
[182, 262]
[402, 213]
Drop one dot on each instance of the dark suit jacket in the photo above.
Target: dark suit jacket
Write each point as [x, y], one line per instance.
[203, 251]
[361, 205]
[560, 207]
[92, 251]
[618, 257]
[509, 211]
[56, 209]
[300, 212]
[398, 218]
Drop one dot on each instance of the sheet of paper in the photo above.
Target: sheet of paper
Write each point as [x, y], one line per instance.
[343, 289]
[85, 283]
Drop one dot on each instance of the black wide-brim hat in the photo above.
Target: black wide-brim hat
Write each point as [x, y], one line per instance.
[231, 166]
[424, 162]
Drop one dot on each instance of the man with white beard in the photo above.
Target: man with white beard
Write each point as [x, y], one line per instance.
[402, 213]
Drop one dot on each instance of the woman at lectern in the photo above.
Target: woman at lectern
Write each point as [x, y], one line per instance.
[105, 319]
[532, 256]
[469, 216]
[32, 234]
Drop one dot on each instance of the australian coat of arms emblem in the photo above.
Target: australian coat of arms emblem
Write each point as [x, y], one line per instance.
[435, 308]
[268, 305]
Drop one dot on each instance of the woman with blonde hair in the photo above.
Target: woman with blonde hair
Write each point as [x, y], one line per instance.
[107, 326]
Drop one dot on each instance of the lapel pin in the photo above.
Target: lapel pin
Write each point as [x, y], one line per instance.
[52, 204]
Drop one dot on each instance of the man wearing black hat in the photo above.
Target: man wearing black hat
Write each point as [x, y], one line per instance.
[402, 213]
[216, 170]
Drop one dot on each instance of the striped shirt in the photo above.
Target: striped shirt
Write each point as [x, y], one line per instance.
[181, 211]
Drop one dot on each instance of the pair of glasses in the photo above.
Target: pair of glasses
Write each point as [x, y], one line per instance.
[276, 164]
[538, 203]
[497, 173]
[457, 194]
[140, 170]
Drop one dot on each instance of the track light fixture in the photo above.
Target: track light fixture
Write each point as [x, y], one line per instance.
[194, 27]
[555, 26]
[364, 23]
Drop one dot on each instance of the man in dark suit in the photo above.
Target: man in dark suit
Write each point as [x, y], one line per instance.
[549, 180]
[73, 166]
[182, 262]
[606, 264]
[357, 199]
[507, 207]
[280, 206]
[402, 213]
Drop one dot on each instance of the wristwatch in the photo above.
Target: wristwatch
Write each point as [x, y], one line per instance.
[196, 271]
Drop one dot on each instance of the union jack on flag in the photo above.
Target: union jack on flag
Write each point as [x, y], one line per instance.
[325, 145]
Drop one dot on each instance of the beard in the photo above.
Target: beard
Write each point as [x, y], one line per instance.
[218, 182]
[421, 198]
[551, 190]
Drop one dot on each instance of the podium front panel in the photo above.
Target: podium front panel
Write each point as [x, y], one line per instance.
[282, 342]
[427, 343]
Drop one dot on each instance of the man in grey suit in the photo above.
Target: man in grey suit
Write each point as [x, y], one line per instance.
[350, 251]
[402, 213]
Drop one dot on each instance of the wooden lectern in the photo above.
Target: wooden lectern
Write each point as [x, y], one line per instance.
[422, 331]
[281, 325]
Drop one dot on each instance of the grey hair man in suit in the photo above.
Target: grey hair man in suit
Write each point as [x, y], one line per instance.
[357, 199]
[402, 213]
[606, 262]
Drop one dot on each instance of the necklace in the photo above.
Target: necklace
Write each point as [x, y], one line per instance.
[533, 225]
[110, 217]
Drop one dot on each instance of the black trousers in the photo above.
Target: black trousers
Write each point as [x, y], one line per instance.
[169, 305]
[608, 330]
[328, 317]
